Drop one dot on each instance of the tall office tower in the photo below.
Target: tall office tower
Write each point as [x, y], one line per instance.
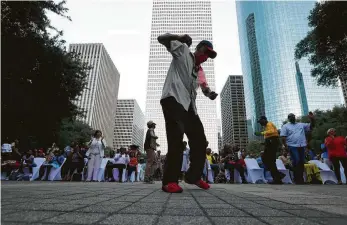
[275, 84]
[234, 124]
[220, 138]
[99, 99]
[129, 124]
[179, 17]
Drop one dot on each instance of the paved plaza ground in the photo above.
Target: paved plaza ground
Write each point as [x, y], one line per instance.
[140, 204]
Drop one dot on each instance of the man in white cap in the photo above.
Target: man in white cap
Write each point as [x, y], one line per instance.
[150, 146]
[185, 75]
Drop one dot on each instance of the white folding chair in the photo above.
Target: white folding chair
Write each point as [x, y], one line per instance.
[101, 173]
[281, 168]
[141, 174]
[255, 173]
[342, 171]
[55, 173]
[38, 162]
[210, 173]
[115, 173]
[327, 175]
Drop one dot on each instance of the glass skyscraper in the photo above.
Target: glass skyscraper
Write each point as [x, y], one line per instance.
[275, 84]
[179, 17]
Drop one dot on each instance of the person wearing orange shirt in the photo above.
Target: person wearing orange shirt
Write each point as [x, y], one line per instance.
[337, 152]
[272, 144]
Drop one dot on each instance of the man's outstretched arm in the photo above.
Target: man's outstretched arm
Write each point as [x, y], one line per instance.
[166, 39]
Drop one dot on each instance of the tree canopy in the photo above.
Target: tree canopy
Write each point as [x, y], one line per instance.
[326, 44]
[40, 79]
[255, 147]
[74, 131]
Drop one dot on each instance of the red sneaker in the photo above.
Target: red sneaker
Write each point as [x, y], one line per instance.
[172, 188]
[203, 185]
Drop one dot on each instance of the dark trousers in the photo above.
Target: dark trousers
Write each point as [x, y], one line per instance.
[215, 168]
[120, 168]
[130, 170]
[42, 171]
[336, 163]
[73, 166]
[178, 122]
[269, 157]
[238, 167]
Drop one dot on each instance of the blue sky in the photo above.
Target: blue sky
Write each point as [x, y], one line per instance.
[123, 26]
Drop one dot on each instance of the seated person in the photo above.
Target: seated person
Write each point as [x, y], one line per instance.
[74, 161]
[132, 166]
[10, 159]
[312, 171]
[286, 160]
[54, 159]
[119, 161]
[232, 162]
[260, 160]
[41, 153]
[212, 160]
[28, 162]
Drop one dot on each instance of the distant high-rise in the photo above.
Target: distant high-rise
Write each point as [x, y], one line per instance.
[275, 84]
[344, 89]
[99, 99]
[129, 124]
[179, 17]
[234, 124]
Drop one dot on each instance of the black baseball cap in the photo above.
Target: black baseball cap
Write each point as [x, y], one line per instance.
[262, 118]
[211, 53]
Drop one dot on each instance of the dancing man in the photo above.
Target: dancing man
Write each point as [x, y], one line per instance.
[185, 75]
[272, 145]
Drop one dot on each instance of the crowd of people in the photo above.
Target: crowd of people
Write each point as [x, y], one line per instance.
[77, 161]
[82, 162]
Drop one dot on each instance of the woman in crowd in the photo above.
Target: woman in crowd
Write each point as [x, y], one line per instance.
[337, 152]
[74, 161]
[231, 162]
[95, 154]
[311, 170]
[54, 159]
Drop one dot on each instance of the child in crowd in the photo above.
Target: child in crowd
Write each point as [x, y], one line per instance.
[132, 166]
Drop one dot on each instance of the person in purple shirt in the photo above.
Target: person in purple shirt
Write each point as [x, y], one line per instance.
[294, 140]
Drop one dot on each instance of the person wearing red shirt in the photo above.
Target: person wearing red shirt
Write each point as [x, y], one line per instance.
[337, 152]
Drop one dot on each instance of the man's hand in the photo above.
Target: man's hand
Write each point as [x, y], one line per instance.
[213, 95]
[185, 39]
[257, 133]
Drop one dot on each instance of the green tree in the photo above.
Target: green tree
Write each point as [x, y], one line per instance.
[74, 131]
[255, 147]
[40, 79]
[326, 44]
